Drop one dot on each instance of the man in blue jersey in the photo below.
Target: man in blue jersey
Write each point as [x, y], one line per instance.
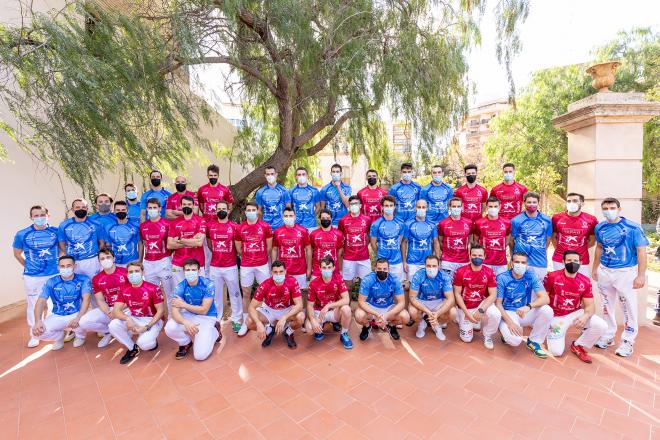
[406, 192]
[381, 300]
[530, 233]
[81, 238]
[305, 200]
[334, 195]
[431, 298]
[194, 314]
[71, 294]
[272, 198]
[103, 215]
[420, 239]
[123, 237]
[385, 236]
[523, 302]
[36, 249]
[155, 191]
[619, 268]
[132, 202]
[437, 195]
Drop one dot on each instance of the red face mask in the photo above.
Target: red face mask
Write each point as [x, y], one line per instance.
[532, 208]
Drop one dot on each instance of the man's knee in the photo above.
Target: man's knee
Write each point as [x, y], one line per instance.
[345, 311]
[414, 313]
[556, 347]
[403, 316]
[598, 323]
[202, 353]
[546, 312]
[360, 316]
[115, 325]
[493, 313]
[171, 328]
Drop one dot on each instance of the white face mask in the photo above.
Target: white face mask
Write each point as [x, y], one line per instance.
[508, 177]
[421, 213]
[572, 207]
[335, 176]
[270, 179]
[519, 268]
[610, 214]
[107, 263]
[302, 180]
[493, 212]
[355, 209]
[66, 272]
[406, 177]
[388, 211]
[153, 212]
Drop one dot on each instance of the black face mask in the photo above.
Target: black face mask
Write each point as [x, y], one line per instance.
[372, 181]
[80, 213]
[572, 267]
[471, 178]
[187, 210]
[222, 215]
[326, 223]
[180, 187]
[121, 215]
[213, 180]
[382, 275]
[155, 182]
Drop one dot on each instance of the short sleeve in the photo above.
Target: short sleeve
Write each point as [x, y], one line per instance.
[342, 287]
[61, 233]
[170, 203]
[515, 226]
[537, 285]
[340, 239]
[157, 295]
[340, 226]
[202, 226]
[492, 281]
[458, 278]
[229, 197]
[209, 291]
[508, 227]
[305, 237]
[588, 293]
[311, 292]
[86, 286]
[18, 240]
[323, 194]
[547, 283]
[373, 229]
[396, 284]
[237, 233]
[268, 231]
[365, 286]
[296, 289]
[446, 282]
[484, 195]
[95, 286]
[639, 238]
[548, 229]
[260, 293]
[178, 290]
[286, 196]
[434, 232]
[259, 198]
[171, 232]
[500, 287]
[143, 202]
[46, 291]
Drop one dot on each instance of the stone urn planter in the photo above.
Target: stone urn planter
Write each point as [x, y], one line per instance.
[603, 75]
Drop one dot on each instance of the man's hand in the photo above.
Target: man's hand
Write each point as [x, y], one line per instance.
[639, 282]
[473, 317]
[323, 312]
[433, 319]
[515, 329]
[580, 322]
[594, 274]
[191, 328]
[261, 331]
[336, 183]
[316, 325]
[405, 267]
[309, 273]
[38, 329]
[73, 323]
[279, 327]
[522, 311]
[178, 302]
[381, 321]
[139, 329]
[130, 325]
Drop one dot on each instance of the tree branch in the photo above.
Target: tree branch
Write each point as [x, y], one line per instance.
[320, 145]
[250, 70]
[325, 120]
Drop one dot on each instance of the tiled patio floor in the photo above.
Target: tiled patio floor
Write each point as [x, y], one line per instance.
[381, 389]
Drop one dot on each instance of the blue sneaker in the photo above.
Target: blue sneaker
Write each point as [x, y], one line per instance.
[536, 348]
[346, 341]
[319, 336]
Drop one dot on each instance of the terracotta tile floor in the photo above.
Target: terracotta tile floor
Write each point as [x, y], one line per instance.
[380, 389]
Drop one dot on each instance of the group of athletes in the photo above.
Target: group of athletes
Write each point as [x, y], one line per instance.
[441, 257]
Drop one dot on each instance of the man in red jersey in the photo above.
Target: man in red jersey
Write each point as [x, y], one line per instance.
[572, 301]
[254, 241]
[472, 194]
[220, 235]
[510, 193]
[371, 196]
[355, 227]
[328, 301]
[326, 241]
[186, 239]
[573, 230]
[492, 232]
[173, 205]
[277, 307]
[454, 235]
[106, 286]
[157, 257]
[144, 301]
[291, 246]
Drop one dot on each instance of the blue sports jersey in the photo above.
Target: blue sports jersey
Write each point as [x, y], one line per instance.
[406, 195]
[124, 240]
[104, 220]
[517, 293]
[272, 202]
[81, 238]
[430, 289]
[66, 295]
[195, 295]
[620, 242]
[333, 202]
[303, 201]
[420, 235]
[162, 195]
[133, 211]
[380, 293]
[388, 234]
[530, 235]
[437, 197]
[40, 248]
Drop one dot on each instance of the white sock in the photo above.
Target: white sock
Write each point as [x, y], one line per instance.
[269, 329]
[288, 330]
[422, 325]
[344, 330]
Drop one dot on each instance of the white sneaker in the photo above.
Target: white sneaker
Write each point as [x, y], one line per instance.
[477, 326]
[105, 340]
[488, 342]
[68, 336]
[57, 345]
[440, 334]
[244, 329]
[603, 343]
[78, 342]
[625, 349]
[421, 329]
[444, 326]
[33, 342]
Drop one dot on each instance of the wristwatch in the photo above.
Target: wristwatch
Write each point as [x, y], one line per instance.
[529, 305]
[480, 310]
[147, 327]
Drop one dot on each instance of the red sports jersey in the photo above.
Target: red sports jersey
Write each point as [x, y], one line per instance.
[573, 233]
[325, 244]
[110, 284]
[356, 235]
[566, 293]
[492, 234]
[174, 201]
[475, 284]
[208, 196]
[182, 228]
[154, 238]
[510, 197]
[278, 296]
[370, 199]
[455, 237]
[253, 238]
[472, 200]
[141, 301]
[291, 243]
[322, 293]
[223, 250]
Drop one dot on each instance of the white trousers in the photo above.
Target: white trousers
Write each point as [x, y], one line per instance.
[450, 267]
[227, 276]
[179, 276]
[397, 270]
[89, 267]
[355, 269]
[584, 268]
[616, 285]
[498, 269]
[540, 272]
[55, 325]
[204, 339]
[412, 270]
[159, 272]
[146, 340]
[249, 274]
[593, 330]
[466, 327]
[538, 319]
[95, 321]
[33, 288]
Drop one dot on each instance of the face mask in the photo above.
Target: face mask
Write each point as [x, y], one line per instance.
[153, 212]
[372, 181]
[302, 180]
[107, 263]
[508, 177]
[471, 178]
[279, 279]
[572, 267]
[134, 277]
[421, 213]
[455, 212]
[222, 214]
[270, 179]
[437, 179]
[131, 195]
[80, 213]
[155, 182]
[572, 207]
[355, 209]
[187, 210]
[611, 214]
[326, 273]
[213, 180]
[493, 212]
[40, 221]
[180, 187]
[382, 275]
[66, 272]
[121, 215]
[406, 177]
[335, 177]
[251, 215]
[432, 272]
[477, 261]
[289, 221]
[388, 211]
[519, 268]
[326, 223]
[191, 276]
[104, 208]
[532, 208]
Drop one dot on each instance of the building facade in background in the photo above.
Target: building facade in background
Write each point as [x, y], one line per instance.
[475, 130]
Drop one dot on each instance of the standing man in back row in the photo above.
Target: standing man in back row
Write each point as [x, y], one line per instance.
[156, 191]
[305, 200]
[473, 195]
[530, 234]
[510, 193]
[334, 196]
[371, 196]
[272, 198]
[573, 230]
[406, 192]
[437, 195]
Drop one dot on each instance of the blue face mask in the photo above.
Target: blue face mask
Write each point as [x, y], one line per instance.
[66, 272]
[477, 261]
[134, 277]
[251, 215]
[279, 279]
[289, 221]
[432, 272]
[326, 273]
[610, 214]
[421, 213]
[437, 179]
[153, 213]
[131, 195]
[388, 211]
[456, 212]
[191, 276]
[40, 221]
[406, 177]
[519, 268]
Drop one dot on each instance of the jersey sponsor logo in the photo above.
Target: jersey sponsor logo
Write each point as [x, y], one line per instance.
[508, 205]
[472, 206]
[373, 208]
[44, 252]
[69, 305]
[407, 204]
[336, 205]
[610, 250]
